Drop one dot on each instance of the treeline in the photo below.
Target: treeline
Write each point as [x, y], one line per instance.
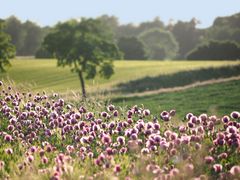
[25, 36]
[148, 40]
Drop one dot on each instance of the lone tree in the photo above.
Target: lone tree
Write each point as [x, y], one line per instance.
[7, 50]
[86, 46]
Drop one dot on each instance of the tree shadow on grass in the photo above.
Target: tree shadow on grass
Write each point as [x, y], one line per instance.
[177, 79]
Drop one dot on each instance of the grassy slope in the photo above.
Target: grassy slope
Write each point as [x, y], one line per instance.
[218, 99]
[44, 74]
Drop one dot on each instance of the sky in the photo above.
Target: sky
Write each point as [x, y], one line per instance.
[49, 12]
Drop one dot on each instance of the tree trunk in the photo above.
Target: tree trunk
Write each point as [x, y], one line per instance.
[82, 84]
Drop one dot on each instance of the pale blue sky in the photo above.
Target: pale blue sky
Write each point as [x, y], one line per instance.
[49, 12]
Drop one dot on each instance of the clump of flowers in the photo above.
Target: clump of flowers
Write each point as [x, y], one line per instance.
[59, 138]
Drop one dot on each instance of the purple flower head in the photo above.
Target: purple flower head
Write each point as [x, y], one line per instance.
[222, 156]
[146, 112]
[209, 159]
[106, 139]
[165, 116]
[30, 158]
[172, 112]
[115, 113]
[188, 116]
[8, 138]
[225, 119]
[235, 170]
[203, 117]
[111, 107]
[217, 168]
[104, 114]
[9, 151]
[121, 140]
[117, 168]
[44, 160]
[232, 129]
[235, 115]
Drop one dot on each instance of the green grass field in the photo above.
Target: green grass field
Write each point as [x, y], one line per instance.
[44, 75]
[219, 99]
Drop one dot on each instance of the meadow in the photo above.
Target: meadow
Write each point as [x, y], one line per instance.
[39, 75]
[158, 120]
[45, 137]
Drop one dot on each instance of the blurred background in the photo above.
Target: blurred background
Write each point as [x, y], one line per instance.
[172, 53]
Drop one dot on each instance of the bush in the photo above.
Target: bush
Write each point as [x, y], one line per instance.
[215, 50]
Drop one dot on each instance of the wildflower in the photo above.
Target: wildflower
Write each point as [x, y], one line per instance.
[189, 168]
[115, 113]
[235, 115]
[146, 112]
[44, 160]
[9, 151]
[222, 156]
[188, 116]
[117, 168]
[235, 170]
[121, 140]
[2, 164]
[172, 112]
[174, 172]
[208, 159]
[165, 116]
[217, 168]
[30, 158]
[106, 139]
[8, 138]
[145, 151]
[111, 107]
[225, 119]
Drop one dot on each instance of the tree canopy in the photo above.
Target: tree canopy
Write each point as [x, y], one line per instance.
[160, 44]
[215, 50]
[132, 48]
[187, 35]
[85, 46]
[7, 50]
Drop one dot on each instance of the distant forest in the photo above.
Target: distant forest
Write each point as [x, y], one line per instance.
[148, 40]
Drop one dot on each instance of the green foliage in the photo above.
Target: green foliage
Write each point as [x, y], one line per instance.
[187, 35]
[7, 50]
[132, 48]
[160, 44]
[32, 38]
[225, 29]
[216, 50]
[27, 36]
[14, 28]
[42, 53]
[130, 30]
[85, 46]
